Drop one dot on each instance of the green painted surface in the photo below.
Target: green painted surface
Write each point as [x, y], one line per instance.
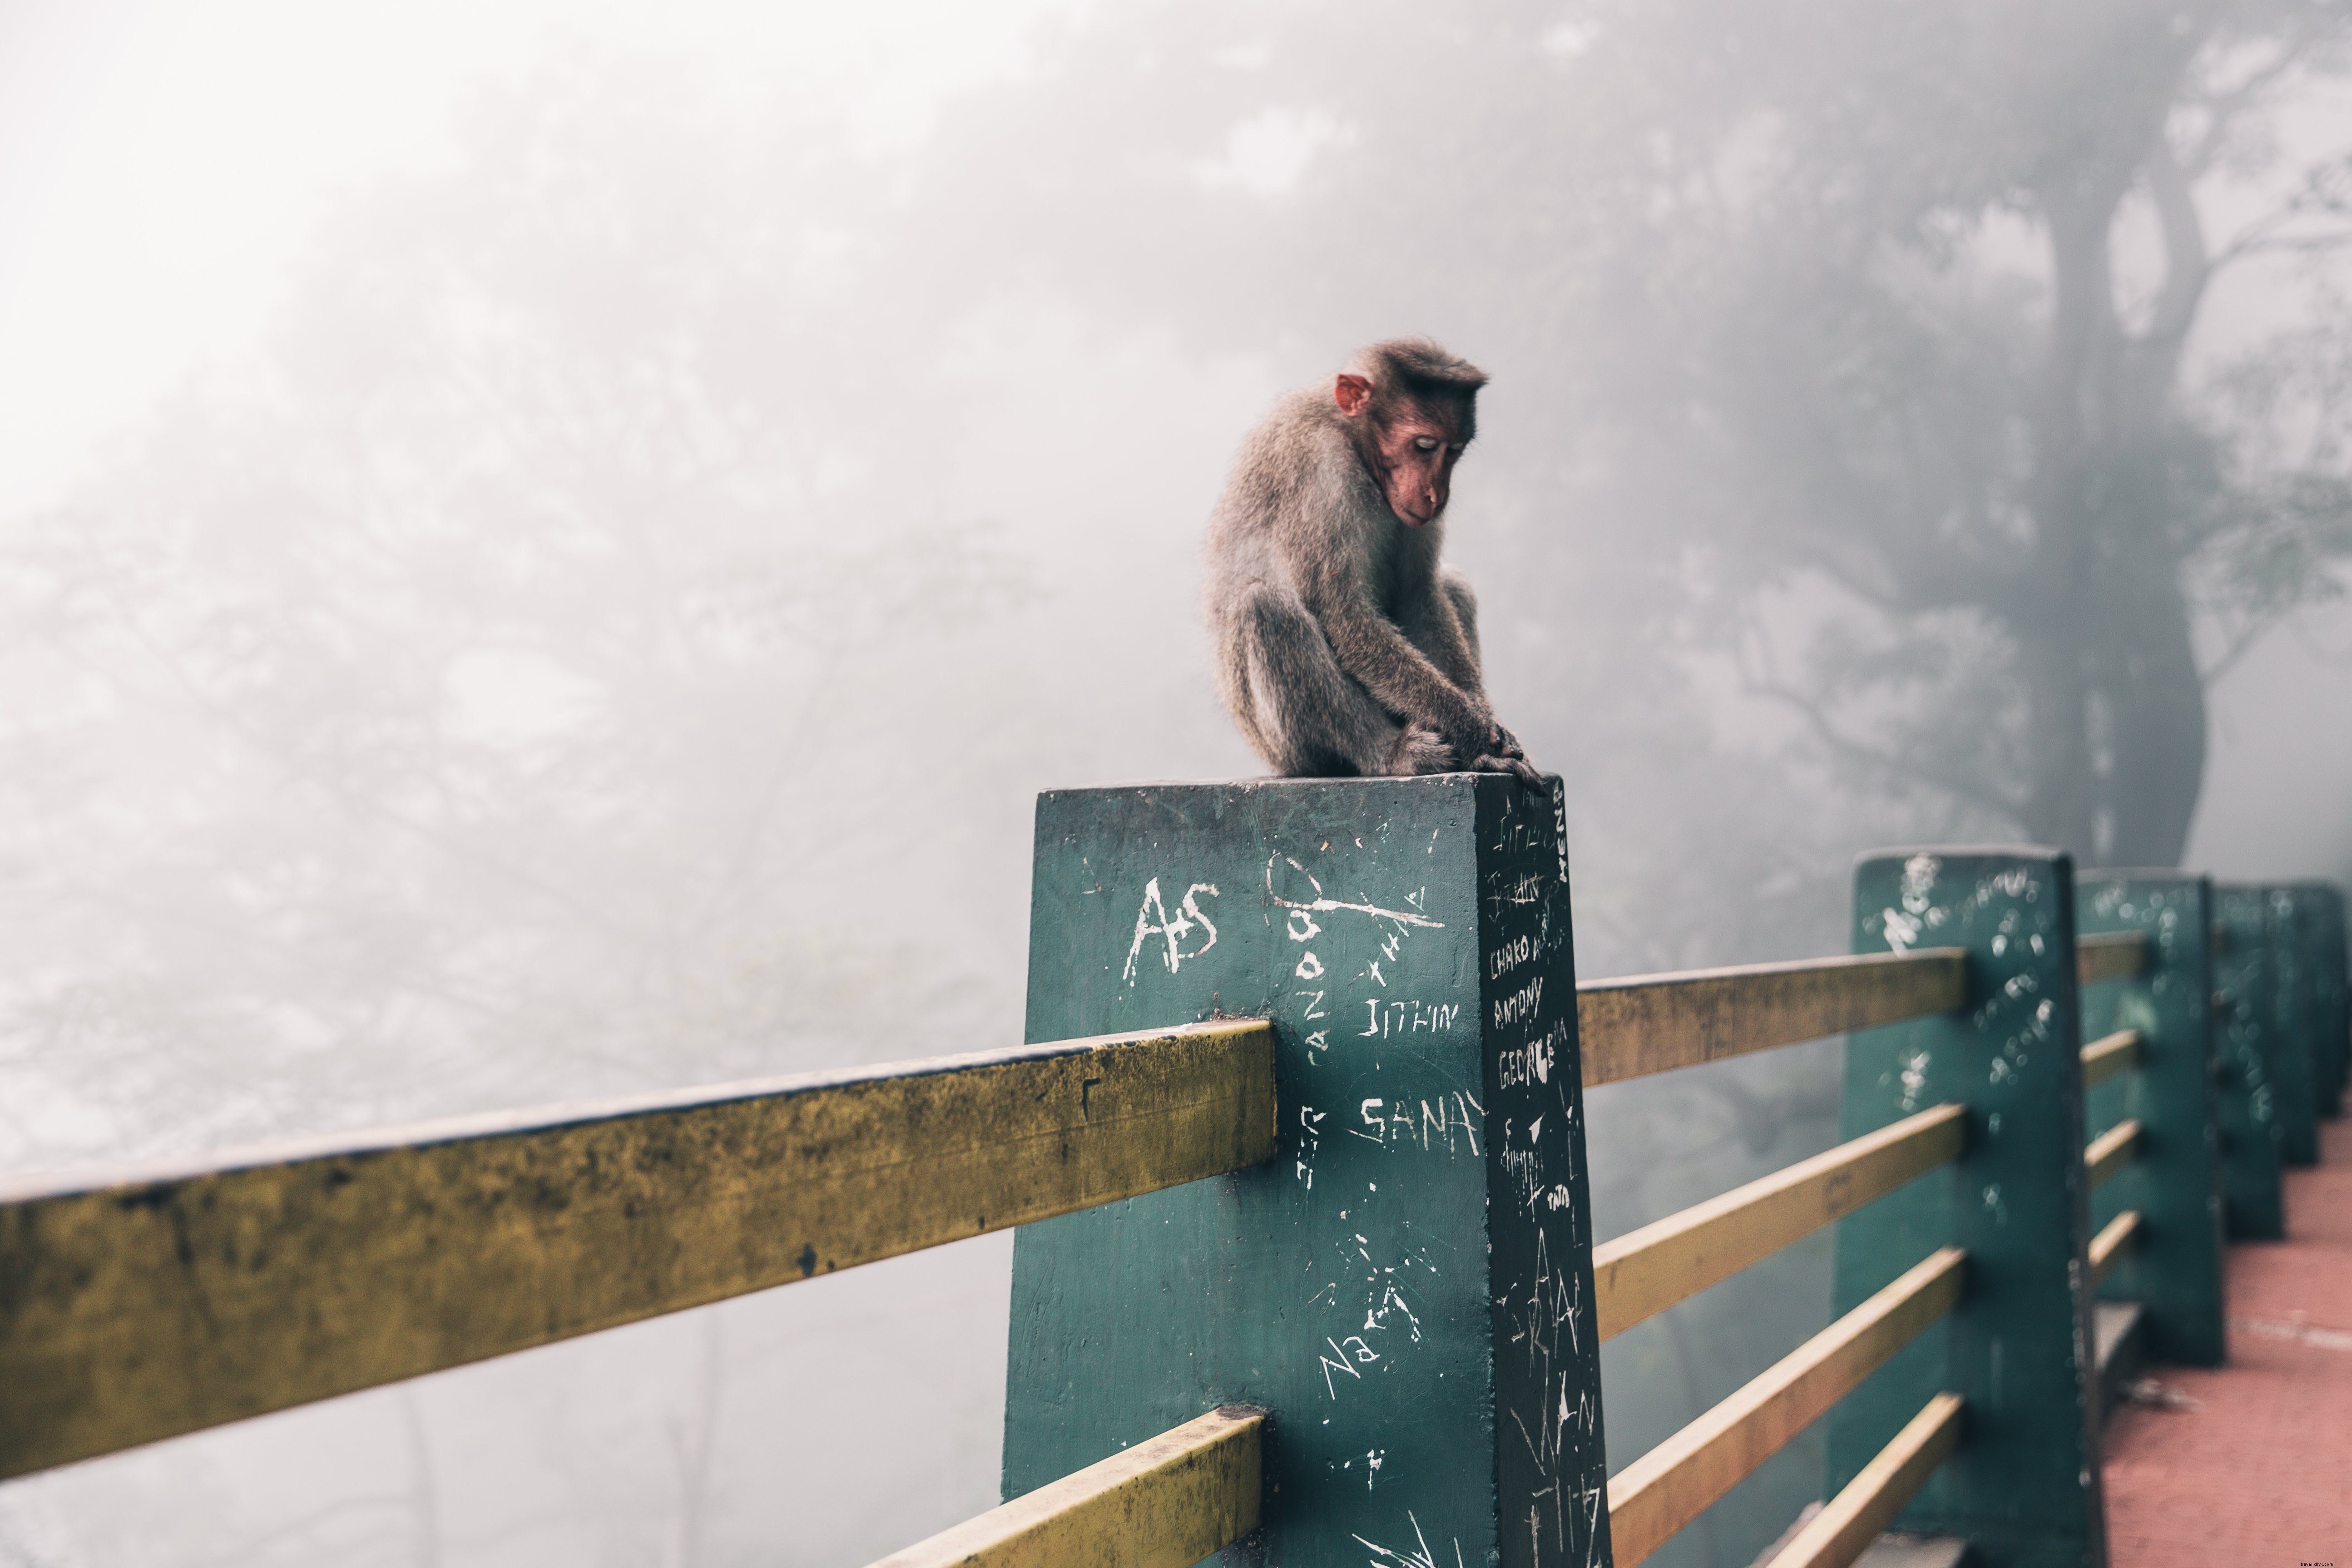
[2024, 1488]
[2175, 1271]
[2287, 911]
[1407, 1288]
[2251, 1151]
[2331, 994]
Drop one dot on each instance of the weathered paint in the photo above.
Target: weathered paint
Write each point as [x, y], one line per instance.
[2113, 1245]
[2174, 1267]
[2294, 1069]
[2024, 1490]
[2332, 992]
[2251, 1148]
[1849, 1525]
[1657, 1023]
[1167, 1502]
[1674, 1483]
[153, 1303]
[1407, 1288]
[2110, 1055]
[2109, 955]
[1644, 1271]
[2105, 1156]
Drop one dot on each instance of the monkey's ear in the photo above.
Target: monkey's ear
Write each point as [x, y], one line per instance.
[1351, 392]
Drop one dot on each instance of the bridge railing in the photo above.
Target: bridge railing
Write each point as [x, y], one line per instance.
[1199, 1361]
[145, 1303]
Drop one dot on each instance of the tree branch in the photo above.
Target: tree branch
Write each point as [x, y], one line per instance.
[1856, 750]
[2222, 109]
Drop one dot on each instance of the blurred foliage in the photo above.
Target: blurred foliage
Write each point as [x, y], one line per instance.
[1876, 315]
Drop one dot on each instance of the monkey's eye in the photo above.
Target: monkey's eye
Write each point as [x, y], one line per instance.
[1424, 443]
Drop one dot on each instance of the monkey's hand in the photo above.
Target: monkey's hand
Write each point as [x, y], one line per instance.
[1504, 754]
[1421, 749]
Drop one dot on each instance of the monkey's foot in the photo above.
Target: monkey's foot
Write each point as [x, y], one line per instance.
[1421, 751]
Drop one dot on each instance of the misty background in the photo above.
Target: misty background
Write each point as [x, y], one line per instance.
[546, 550]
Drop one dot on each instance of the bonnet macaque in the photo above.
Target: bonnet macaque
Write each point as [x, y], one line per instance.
[1342, 647]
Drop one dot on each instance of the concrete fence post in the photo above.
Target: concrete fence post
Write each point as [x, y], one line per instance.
[2288, 909]
[1408, 1286]
[2247, 1027]
[2331, 994]
[2023, 1487]
[2174, 1270]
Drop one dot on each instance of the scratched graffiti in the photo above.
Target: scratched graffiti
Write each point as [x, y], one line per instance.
[1546, 1382]
[1388, 1279]
[1152, 920]
[1395, 1124]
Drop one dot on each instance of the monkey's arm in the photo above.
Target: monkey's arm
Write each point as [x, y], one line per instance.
[1442, 622]
[1371, 648]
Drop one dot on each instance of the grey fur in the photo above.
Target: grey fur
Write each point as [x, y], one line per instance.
[1342, 646]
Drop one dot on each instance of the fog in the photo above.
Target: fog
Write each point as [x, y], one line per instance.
[547, 550]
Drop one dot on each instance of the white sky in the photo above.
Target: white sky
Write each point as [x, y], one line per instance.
[161, 164]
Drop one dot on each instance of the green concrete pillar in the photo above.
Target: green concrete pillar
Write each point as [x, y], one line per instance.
[2023, 1488]
[2252, 1152]
[2331, 993]
[2293, 1064]
[2175, 1271]
[1408, 1288]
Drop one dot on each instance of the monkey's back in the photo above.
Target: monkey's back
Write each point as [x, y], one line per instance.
[1297, 498]
[1295, 471]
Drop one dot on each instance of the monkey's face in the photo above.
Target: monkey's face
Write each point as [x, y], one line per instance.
[1416, 454]
[1410, 448]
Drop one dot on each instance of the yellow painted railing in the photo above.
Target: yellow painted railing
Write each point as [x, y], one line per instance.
[1168, 1502]
[1846, 1528]
[2111, 1151]
[144, 1303]
[2115, 1239]
[1647, 1270]
[2109, 955]
[1657, 1023]
[1672, 1484]
[2105, 1057]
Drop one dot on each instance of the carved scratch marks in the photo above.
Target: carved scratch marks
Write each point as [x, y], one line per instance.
[1383, 1294]
[1393, 1124]
[1187, 919]
[1319, 904]
[1420, 1557]
[1545, 1380]
[1348, 1354]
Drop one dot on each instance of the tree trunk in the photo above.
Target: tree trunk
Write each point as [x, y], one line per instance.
[2050, 628]
[2156, 698]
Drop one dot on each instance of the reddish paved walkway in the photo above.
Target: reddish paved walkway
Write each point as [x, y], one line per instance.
[2260, 1475]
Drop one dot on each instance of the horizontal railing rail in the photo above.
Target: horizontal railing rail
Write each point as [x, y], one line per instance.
[2113, 1243]
[147, 1303]
[2105, 1155]
[2109, 955]
[2108, 1055]
[1655, 1023]
[144, 1302]
[1645, 1272]
[1168, 1502]
[1672, 1484]
[1850, 1522]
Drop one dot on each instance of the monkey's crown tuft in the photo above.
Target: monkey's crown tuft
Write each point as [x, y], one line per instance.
[1417, 366]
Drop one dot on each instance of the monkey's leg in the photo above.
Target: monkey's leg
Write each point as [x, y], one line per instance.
[1313, 720]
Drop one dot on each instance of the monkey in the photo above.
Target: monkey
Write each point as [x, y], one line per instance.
[1343, 647]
